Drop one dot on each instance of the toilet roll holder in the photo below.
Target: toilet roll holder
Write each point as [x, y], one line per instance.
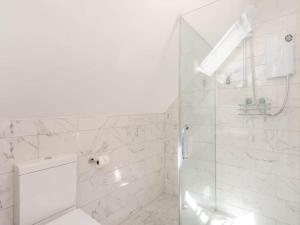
[93, 160]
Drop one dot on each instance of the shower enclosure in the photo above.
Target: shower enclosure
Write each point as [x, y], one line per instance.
[239, 142]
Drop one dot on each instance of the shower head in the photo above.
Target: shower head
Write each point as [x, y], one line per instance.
[240, 30]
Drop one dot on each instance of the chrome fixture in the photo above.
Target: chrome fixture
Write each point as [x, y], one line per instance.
[279, 64]
[250, 107]
[181, 148]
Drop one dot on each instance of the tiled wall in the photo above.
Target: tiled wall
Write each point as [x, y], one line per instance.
[258, 158]
[171, 142]
[134, 143]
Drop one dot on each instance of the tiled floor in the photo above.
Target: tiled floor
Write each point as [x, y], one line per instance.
[162, 211]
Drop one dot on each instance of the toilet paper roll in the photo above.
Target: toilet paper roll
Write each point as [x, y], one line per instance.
[102, 161]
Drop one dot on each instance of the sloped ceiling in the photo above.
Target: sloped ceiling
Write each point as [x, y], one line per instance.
[61, 57]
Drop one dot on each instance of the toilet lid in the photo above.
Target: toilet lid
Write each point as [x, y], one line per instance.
[75, 217]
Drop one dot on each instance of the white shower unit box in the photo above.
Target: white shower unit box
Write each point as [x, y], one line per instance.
[280, 56]
[44, 189]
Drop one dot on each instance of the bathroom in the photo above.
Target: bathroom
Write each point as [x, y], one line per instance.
[150, 113]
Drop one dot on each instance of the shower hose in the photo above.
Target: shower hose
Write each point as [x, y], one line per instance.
[253, 77]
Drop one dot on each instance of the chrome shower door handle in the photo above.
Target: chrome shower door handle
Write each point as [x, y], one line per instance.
[181, 141]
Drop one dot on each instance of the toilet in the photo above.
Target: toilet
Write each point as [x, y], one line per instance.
[45, 193]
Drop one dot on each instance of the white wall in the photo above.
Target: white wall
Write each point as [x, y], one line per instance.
[87, 56]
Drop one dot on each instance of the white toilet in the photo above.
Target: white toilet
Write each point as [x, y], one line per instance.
[45, 193]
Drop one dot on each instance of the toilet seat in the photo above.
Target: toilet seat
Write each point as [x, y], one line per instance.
[75, 217]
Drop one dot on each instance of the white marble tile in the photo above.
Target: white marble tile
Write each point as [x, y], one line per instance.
[266, 10]
[155, 131]
[119, 121]
[288, 7]
[139, 120]
[6, 157]
[16, 128]
[19, 148]
[192, 101]
[162, 211]
[267, 27]
[55, 144]
[241, 202]
[137, 134]
[91, 189]
[202, 151]
[171, 127]
[281, 211]
[288, 189]
[282, 165]
[258, 139]
[140, 151]
[147, 119]
[90, 142]
[6, 190]
[290, 23]
[56, 125]
[171, 131]
[24, 148]
[92, 122]
[120, 215]
[118, 204]
[6, 216]
[196, 118]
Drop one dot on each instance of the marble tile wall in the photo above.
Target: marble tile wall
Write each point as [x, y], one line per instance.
[134, 143]
[258, 158]
[171, 142]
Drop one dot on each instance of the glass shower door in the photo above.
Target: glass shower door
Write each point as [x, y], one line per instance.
[197, 126]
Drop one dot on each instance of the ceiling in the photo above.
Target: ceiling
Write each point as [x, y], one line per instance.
[66, 57]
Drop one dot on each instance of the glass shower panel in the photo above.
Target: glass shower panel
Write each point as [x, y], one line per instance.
[197, 124]
[239, 155]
